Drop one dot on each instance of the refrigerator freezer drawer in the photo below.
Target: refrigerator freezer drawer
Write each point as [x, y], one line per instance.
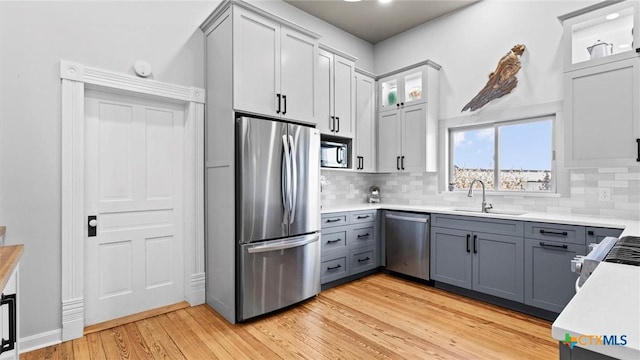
[279, 273]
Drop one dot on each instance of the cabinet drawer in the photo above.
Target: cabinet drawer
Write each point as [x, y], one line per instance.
[482, 224]
[334, 240]
[574, 234]
[362, 216]
[336, 219]
[362, 259]
[333, 269]
[361, 236]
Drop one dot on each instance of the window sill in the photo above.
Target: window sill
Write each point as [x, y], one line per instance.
[501, 193]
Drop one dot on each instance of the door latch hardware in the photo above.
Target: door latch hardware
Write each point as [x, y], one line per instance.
[92, 225]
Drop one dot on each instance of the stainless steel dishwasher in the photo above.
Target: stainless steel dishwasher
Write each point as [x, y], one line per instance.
[407, 243]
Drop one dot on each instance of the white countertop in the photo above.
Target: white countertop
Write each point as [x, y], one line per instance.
[608, 304]
[631, 227]
[609, 301]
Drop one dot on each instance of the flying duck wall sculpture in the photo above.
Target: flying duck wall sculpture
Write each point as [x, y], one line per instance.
[501, 81]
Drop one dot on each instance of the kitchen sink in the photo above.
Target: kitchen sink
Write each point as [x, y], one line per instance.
[493, 211]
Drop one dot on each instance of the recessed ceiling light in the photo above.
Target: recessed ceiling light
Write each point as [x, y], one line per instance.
[352, 0]
[612, 16]
[385, 1]
[624, 46]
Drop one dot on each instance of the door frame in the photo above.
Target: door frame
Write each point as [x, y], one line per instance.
[75, 78]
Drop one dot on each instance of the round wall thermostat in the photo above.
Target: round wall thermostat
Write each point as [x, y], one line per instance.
[142, 68]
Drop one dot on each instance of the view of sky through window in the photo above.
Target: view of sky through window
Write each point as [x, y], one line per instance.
[524, 158]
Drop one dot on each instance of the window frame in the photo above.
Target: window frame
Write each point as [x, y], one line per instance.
[495, 125]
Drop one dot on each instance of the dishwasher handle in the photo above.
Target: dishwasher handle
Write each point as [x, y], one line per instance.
[407, 218]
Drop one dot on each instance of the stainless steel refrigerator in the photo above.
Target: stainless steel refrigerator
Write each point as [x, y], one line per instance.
[277, 215]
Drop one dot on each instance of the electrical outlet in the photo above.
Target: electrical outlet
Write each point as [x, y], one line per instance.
[404, 187]
[604, 194]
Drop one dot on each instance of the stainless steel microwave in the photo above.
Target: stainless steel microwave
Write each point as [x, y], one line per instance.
[334, 154]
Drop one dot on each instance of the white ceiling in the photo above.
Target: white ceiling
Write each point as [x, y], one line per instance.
[373, 21]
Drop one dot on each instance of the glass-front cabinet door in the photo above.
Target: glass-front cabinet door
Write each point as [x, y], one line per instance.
[600, 36]
[403, 88]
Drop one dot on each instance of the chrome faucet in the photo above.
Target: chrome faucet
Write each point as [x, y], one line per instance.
[485, 206]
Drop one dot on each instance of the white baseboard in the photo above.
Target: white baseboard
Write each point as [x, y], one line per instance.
[39, 341]
[196, 291]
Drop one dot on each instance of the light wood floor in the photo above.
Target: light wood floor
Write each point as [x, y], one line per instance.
[380, 316]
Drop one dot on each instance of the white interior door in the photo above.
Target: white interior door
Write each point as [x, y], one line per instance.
[134, 185]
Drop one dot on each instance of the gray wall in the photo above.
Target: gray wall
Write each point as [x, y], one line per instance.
[34, 36]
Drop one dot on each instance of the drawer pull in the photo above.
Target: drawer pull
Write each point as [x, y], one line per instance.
[333, 241]
[363, 236]
[334, 267]
[363, 217]
[563, 246]
[365, 259]
[564, 233]
[332, 220]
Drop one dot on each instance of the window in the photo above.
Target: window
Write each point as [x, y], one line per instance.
[506, 156]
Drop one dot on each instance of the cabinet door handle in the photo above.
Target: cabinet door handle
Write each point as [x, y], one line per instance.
[333, 241]
[365, 259]
[284, 97]
[279, 100]
[468, 249]
[557, 233]
[638, 142]
[332, 220]
[334, 267]
[563, 246]
[475, 244]
[402, 162]
[9, 344]
[361, 162]
[332, 124]
[398, 162]
[362, 217]
[338, 121]
[363, 236]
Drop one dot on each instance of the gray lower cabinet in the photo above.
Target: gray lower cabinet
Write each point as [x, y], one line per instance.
[486, 262]
[349, 244]
[549, 282]
[596, 234]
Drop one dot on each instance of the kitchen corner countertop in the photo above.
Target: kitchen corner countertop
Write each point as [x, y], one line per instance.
[609, 301]
[9, 258]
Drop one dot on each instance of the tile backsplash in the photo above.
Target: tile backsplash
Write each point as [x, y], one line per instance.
[605, 192]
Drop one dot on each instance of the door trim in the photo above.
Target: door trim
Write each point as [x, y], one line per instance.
[75, 78]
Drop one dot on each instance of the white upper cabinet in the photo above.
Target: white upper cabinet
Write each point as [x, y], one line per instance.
[408, 126]
[594, 37]
[364, 156]
[335, 108]
[602, 110]
[403, 89]
[602, 86]
[274, 68]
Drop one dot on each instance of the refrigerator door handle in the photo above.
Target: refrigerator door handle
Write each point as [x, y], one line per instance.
[294, 181]
[286, 179]
[283, 245]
